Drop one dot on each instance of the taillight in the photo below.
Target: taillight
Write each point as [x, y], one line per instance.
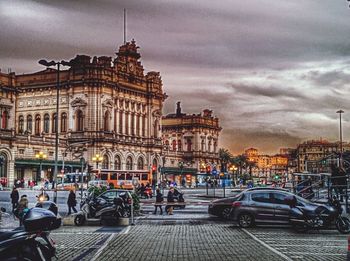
[236, 204]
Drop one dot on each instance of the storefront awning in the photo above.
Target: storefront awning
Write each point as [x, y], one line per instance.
[35, 162]
[178, 171]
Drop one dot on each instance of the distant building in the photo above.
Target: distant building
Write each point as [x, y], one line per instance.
[190, 145]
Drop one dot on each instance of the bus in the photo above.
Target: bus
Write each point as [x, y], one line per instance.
[70, 181]
[125, 178]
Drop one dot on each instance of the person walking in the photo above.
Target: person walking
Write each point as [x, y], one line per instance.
[159, 200]
[71, 202]
[22, 209]
[14, 198]
[170, 199]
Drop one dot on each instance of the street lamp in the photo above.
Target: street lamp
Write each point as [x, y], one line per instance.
[58, 64]
[341, 139]
[97, 158]
[41, 156]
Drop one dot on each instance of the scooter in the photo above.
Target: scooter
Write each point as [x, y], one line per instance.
[303, 220]
[31, 241]
[99, 210]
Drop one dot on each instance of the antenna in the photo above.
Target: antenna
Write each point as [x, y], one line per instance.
[124, 26]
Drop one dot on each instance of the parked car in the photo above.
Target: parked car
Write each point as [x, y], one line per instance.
[222, 207]
[267, 206]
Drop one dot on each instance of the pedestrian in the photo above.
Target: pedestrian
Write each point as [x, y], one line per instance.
[72, 202]
[22, 208]
[14, 198]
[170, 199]
[159, 200]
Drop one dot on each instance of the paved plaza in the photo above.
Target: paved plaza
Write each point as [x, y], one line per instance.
[191, 234]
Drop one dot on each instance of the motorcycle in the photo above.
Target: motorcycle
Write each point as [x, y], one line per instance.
[303, 219]
[100, 210]
[31, 241]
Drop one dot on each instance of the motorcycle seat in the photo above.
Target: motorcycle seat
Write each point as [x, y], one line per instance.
[8, 234]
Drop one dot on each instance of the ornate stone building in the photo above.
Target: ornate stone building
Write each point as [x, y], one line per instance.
[107, 107]
[191, 143]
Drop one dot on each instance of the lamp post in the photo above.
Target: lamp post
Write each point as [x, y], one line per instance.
[97, 158]
[40, 156]
[58, 64]
[341, 139]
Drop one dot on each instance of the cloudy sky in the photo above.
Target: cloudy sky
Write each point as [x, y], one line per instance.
[275, 72]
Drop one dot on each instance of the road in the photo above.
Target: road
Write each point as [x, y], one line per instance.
[191, 234]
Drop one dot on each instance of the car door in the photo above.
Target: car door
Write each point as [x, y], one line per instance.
[262, 205]
[282, 209]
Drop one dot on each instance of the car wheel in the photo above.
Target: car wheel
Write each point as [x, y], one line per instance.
[226, 213]
[245, 220]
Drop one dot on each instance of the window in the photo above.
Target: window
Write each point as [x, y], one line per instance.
[280, 198]
[144, 176]
[203, 145]
[46, 123]
[37, 124]
[121, 122]
[29, 123]
[106, 121]
[137, 125]
[53, 123]
[105, 162]
[156, 127]
[79, 122]
[20, 124]
[179, 145]
[174, 145]
[133, 124]
[121, 176]
[140, 163]
[104, 176]
[144, 125]
[127, 123]
[128, 176]
[261, 197]
[189, 145]
[64, 122]
[129, 163]
[117, 164]
[114, 176]
[4, 120]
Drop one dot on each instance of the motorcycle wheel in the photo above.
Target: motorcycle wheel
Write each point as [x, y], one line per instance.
[343, 225]
[79, 220]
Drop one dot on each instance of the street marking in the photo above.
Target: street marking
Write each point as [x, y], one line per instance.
[98, 253]
[267, 246]
[126, 230]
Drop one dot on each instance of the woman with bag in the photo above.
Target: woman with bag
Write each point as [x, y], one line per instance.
[71, 202]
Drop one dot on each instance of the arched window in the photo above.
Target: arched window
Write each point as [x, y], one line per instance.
[106, 121]
[3, 165]
[79, 121]
[4, 120]
[140, 164]
[105, 162]
[37, 128]
[174, 145]
[203, 145]
[179, 145]
[20, 124]
[29, 123]
[117, 163]
[189, 145]
[64, 122]
[209, 146]
[46, 123]
[129, 163]
[167, 144]
[53, 124]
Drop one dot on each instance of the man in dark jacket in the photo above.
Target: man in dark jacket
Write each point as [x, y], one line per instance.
[14, 198]
[159, 200]
[170, 199]
[71, 202]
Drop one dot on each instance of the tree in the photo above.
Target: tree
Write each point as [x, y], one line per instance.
[224, 157]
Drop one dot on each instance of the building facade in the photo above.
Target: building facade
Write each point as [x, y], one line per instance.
[191, 145]
[109, 107]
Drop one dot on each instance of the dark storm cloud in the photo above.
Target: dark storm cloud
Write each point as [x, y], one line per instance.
[278, 69]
